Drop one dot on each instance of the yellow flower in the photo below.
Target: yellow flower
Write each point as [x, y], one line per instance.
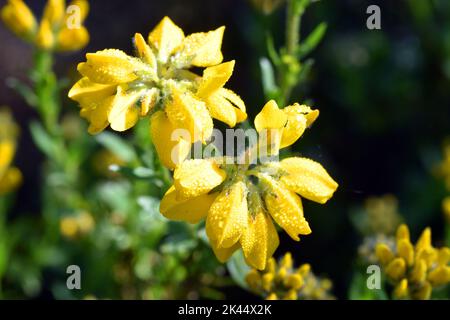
[244, 199]
[60, 28]
[416, 269]
[382, 216]
[76, 225]
[19, 19]
[117, 89]
[290, 283]
[10, 177]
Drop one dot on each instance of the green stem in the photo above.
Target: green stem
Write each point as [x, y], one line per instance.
[292, 27]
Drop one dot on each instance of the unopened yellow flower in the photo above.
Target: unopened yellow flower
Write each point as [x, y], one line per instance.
[76, 225]
[117, 89]
[416, 269]
[60, 29]
[10, 177]
[240, 201]
[19, 19]
[282, 281]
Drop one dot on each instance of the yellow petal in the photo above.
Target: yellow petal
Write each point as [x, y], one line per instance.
[221, 109]
[54, 12]
[72, 39]
[440, 276]
[18, 18]
[86, 92]
[287, 261]
[268, 281]
[253, 279]
[166, 38]
[192, 178]
[295, 125]
[291, 295]
[232, 97]
[429, 255]
[202, 49]
[215, 78]
[260, 239]
[272, 296]
[144, 51]
[384, 253]
[223, 254]
[192, 210]
[111, 66]
[308, 178]
[97, 114]
[396, 269]
[170, 151]
[148, 101]
[405, 250]
[401, 289]
[124, 112]
[186, 112]
[10, 180]
[270, 117]
[285, 208]
[227, 217]
[45, 38]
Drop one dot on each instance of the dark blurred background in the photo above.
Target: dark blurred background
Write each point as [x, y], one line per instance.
[384, 97]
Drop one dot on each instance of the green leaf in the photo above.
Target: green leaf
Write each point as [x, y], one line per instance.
[25, 91]
[117, 145]
[43, 140]
[312, 40]
[238, 269]
[270, 88]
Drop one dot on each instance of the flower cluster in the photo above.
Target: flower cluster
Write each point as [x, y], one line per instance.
[414, 270]
[60, 28]
[283, 281]
[117, 89]
[10, 177]
[382, 214]
[240, 200]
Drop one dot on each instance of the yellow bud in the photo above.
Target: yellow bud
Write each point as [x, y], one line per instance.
[291, 295]
[68, 227]
[423, 293]
[45, 38]
[443, 256]
[18, 18]
[267, 281]
[72, 39]
[272, 296]
[429, 255]
[401, 290]
[54, 12]
[293, 281]
[439, 276]
[402, 232]
[424, 240]
[286, 261]
[419, 271]
[396, 269]
[281, 274]
[253, 279]
[405, 250]
[271, 265]
[304, 269]
[384, 253]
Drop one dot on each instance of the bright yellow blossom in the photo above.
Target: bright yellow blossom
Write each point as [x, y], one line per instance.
[282, 281]
[60, 28]
[241, 201]
[10, 177]
[117, 89]
[414, 270]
